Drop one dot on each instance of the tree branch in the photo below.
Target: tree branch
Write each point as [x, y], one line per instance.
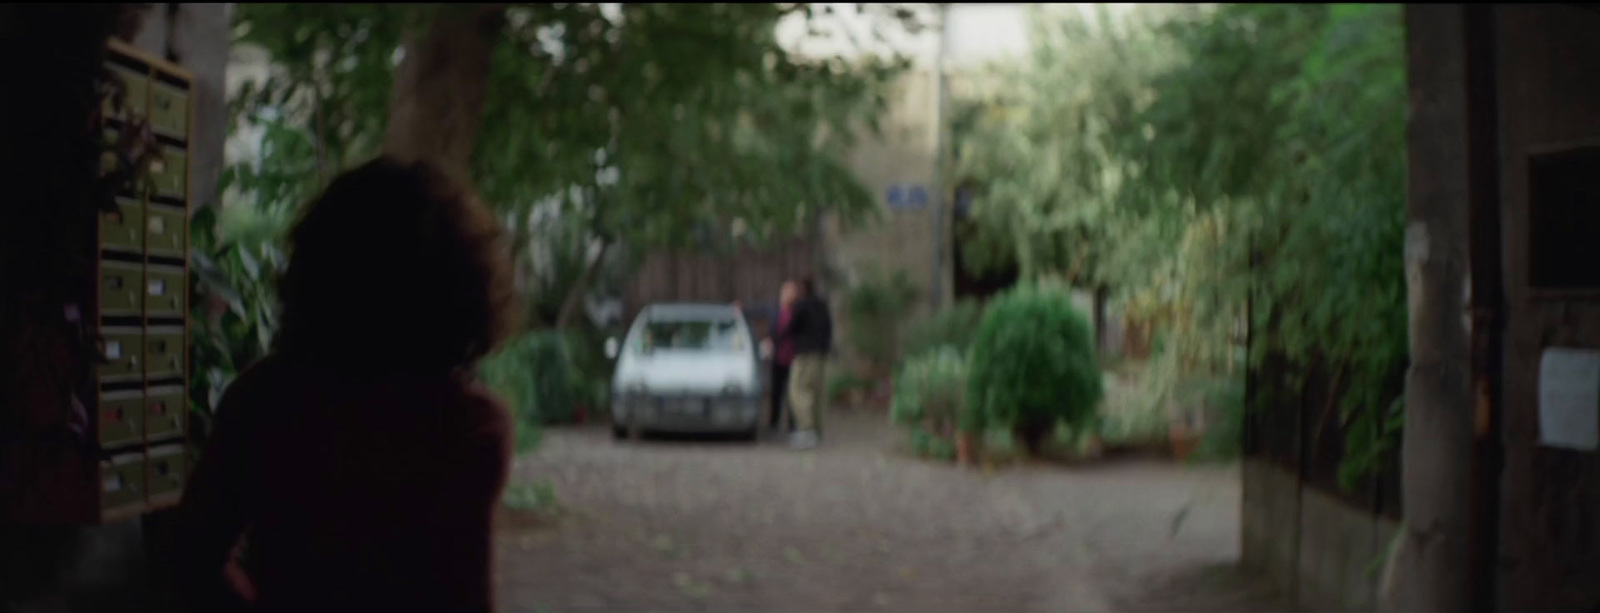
[580, 287]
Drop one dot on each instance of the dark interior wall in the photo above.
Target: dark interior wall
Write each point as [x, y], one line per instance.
[1549, 84]
[112, 567]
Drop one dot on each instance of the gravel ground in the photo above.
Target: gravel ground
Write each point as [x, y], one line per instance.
[674, 525]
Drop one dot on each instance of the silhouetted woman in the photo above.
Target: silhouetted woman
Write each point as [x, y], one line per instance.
[360, 457]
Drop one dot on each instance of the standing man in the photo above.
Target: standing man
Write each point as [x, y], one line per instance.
[810, 330]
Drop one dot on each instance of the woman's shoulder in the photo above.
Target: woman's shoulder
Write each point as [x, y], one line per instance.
[484, 409]
[242, 407]
[264, 375]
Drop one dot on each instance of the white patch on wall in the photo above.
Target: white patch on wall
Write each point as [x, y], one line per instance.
[1569, 398]
[1416, 243]
[1416, 256]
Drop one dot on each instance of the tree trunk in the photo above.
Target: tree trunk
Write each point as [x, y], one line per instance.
[440, 87]
[1101, 295]
[1432, 568]
[569, 306]
[1032, 435]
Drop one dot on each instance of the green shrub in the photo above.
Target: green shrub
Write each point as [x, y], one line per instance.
[233, 302]
[877, 307]
[930, 402]
[504, 372]
[927, 444]
[1134, 427]
[953, 326]
[1033, 364]
[1134, 411]
[534, 374]
[844, 383]
[590, 370]
[1223, 402]
[930, 392]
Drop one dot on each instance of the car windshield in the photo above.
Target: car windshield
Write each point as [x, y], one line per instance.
[704, 335]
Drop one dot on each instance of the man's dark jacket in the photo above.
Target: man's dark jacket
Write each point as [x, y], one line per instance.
[810, 327]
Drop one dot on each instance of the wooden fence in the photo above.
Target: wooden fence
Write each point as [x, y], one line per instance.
[745, 273]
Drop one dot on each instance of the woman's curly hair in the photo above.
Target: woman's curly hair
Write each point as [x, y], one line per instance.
[395, 268]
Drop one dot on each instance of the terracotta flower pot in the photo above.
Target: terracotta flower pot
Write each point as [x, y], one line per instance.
[882, 394]
[1096, 448]
[1184, 442]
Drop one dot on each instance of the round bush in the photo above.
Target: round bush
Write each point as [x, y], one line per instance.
[1033, 365]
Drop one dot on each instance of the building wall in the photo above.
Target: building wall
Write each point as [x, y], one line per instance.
[1549, 84]
[1322, 551]
[905, 154]
[900, 239]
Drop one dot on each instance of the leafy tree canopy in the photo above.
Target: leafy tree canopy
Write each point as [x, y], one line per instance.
[652, 125]
[1159, 155]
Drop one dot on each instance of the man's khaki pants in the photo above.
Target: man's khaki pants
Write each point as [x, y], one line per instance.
[806, 391]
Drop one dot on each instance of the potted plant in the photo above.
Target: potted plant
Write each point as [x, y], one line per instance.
[881, 392]
[929, 400]
[1033, 366]
[967, 437]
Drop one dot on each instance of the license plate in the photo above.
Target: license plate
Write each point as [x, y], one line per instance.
[686, 407]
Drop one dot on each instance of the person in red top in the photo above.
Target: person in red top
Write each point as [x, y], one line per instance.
[359, 462]
[783, 353]
[780, 349]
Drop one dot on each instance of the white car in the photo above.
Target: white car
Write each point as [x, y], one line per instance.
[686, 368]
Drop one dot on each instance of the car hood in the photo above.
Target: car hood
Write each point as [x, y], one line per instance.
[671, 372]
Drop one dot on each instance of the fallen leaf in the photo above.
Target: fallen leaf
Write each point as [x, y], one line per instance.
[1177, 521]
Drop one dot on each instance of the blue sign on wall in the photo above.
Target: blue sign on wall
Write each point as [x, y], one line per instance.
[907, 196]
[896, 196]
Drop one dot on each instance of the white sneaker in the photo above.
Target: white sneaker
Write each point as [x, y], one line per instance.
[802, 440]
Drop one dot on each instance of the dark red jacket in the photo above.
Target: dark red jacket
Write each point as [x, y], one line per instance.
[373, 495]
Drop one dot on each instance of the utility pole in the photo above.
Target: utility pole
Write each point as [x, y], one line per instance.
[936, 287]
